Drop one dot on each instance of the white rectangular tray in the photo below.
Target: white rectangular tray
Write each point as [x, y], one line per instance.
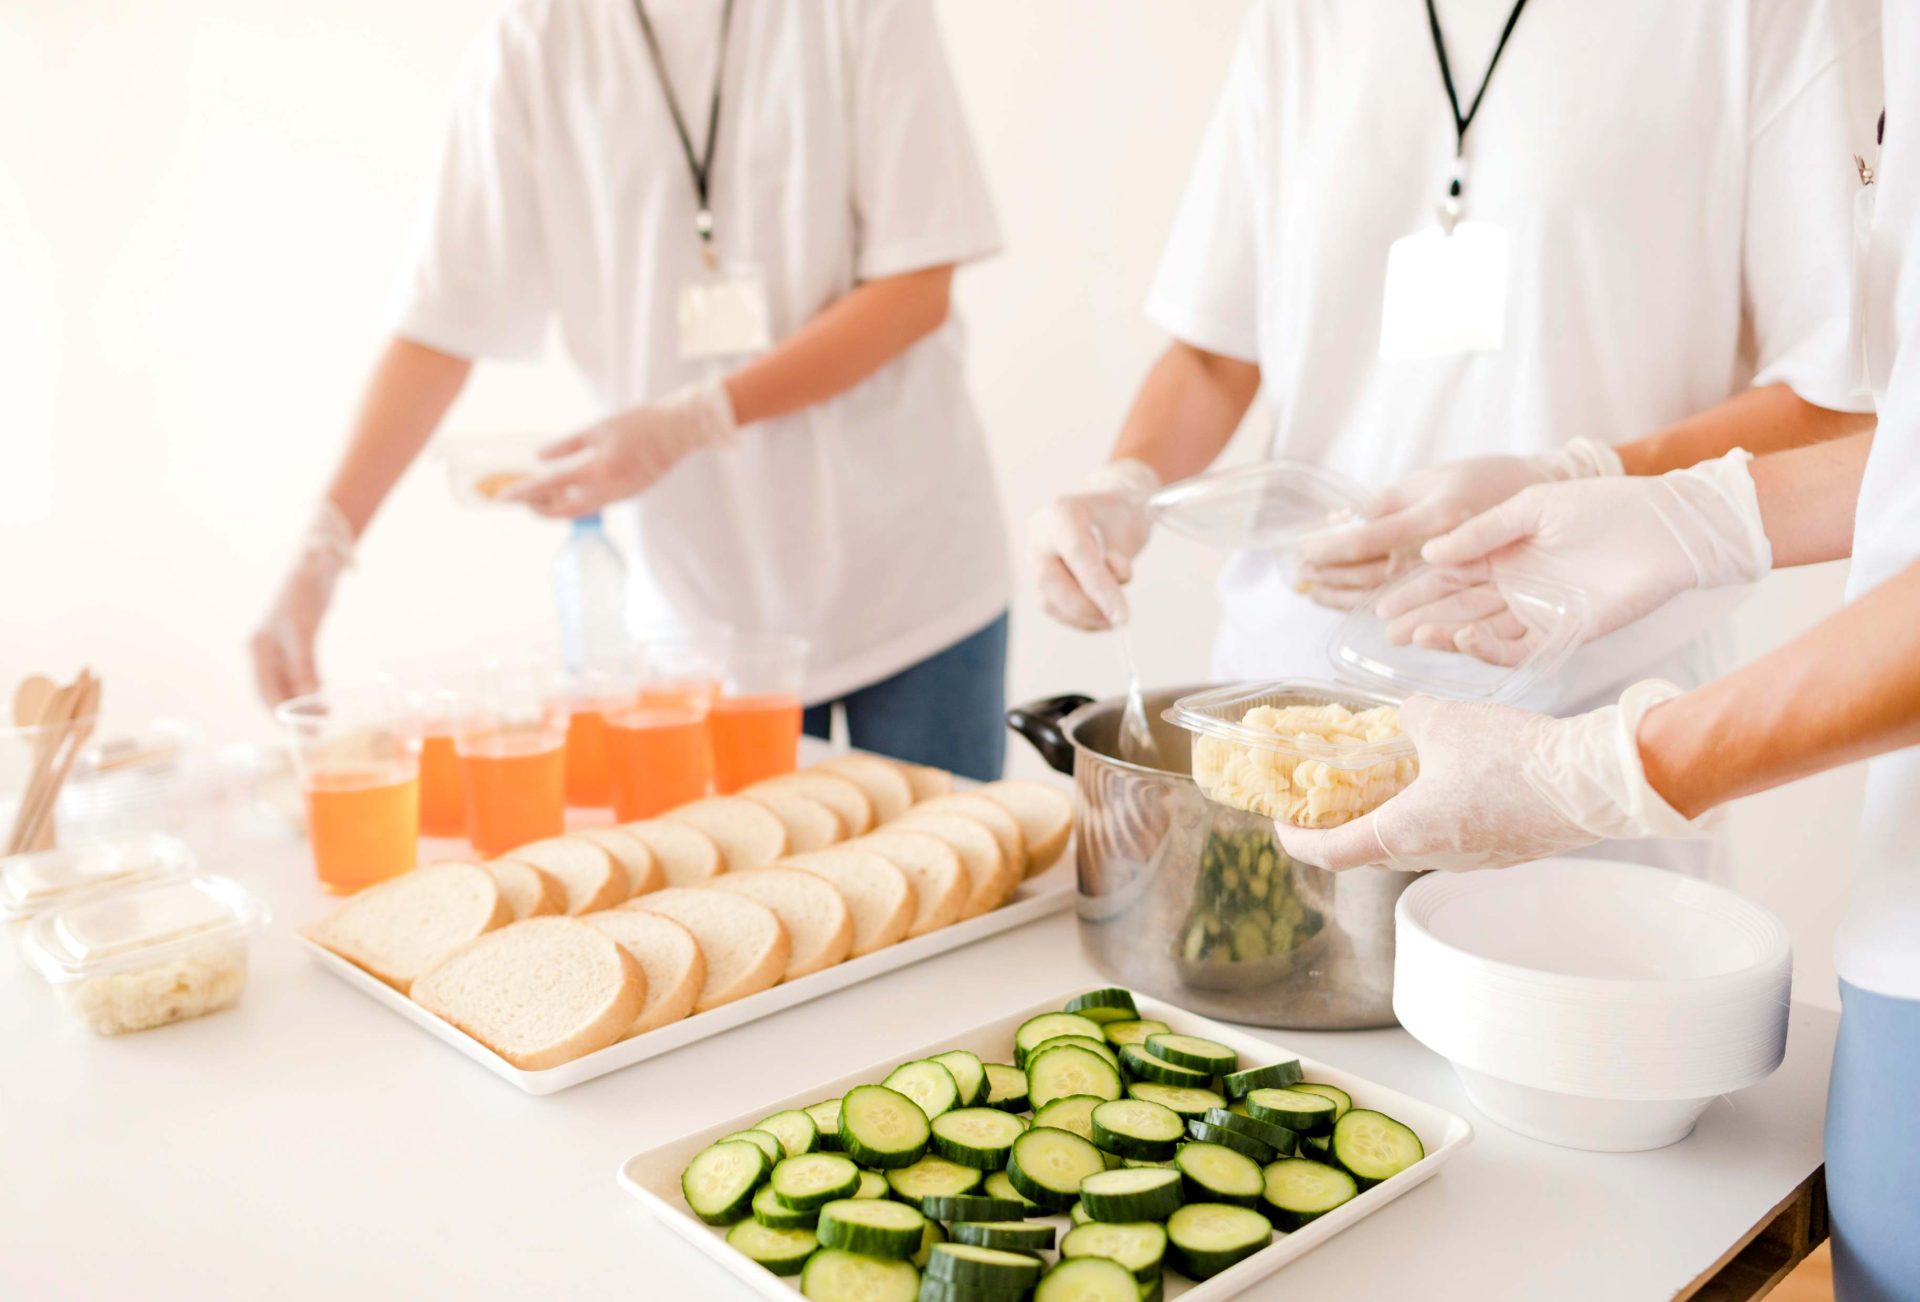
[654, 1176]
[1048, 893]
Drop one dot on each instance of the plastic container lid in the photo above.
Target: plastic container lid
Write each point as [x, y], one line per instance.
[1262, 507]
[34, 883]
[141, 926]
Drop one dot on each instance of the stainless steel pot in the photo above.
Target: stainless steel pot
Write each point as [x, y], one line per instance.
[1196, 903]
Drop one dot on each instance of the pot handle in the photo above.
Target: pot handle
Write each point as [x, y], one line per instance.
[1039, 723]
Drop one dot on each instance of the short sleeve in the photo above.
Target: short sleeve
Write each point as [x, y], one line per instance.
[920, 198]
[1206, 292]
[478, 283]
[1798, 242]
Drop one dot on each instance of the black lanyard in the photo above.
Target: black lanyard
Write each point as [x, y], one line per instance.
[1461, 121]
[701, 167]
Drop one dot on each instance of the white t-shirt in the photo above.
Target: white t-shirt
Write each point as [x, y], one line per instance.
[1674, 180]
[870, 522]
[1878, 947]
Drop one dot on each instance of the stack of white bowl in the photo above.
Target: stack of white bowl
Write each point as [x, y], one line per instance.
[1592, 1004]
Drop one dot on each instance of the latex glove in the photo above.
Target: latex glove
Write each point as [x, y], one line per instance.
[1629, 545]
[1083, 544]
[629, 452]
[1340, 565]
[282, 643]
[1500, 786]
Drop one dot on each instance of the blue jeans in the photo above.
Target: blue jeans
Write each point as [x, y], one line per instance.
[945, 711]
[1873, 1149]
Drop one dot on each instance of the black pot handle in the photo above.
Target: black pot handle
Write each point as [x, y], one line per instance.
[1039, 723]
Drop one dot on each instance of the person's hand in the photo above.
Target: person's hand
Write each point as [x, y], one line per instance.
[1500, 786]
[1341, 564]
[282, 643]
[1627, 546]
[1083, 544]
[628, 453]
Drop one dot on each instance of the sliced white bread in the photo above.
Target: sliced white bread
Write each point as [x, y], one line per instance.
[878, 895]
[667, 953]
[686, 855]
[886, 786]
[1045, 815]
[1004, 826]
[836, 793]
[744, 942]
[634, 856]
[810, 825]
[926, 782]
[748, 834]
[529, 891]
[819, 924]
[538, 993]
[940, 882]
[401, 928]
[990, 877]
[585, 871]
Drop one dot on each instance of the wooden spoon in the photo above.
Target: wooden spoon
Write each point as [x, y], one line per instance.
[69, 723]
[31, 698]
[39, 710]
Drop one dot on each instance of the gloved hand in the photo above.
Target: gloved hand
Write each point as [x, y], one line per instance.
[1340, 565]
[1500, 786]
[1629, 545]
[282, 644]
[629, 452]
[1083, 544]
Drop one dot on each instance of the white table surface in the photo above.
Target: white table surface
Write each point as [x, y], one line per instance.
[309, 1144]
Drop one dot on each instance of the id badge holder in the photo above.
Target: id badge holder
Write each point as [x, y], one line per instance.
[1446, 292]
[724, 313]
[1859, 373]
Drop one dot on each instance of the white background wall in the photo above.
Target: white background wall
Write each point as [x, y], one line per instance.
[203, 205]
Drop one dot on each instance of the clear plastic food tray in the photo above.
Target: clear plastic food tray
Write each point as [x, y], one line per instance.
[33, 883]
[1266, 506]
[481, 467]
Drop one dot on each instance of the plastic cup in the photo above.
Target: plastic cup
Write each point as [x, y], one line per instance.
[356, 755]
[591, 694]
[755, 725]
[510, 733]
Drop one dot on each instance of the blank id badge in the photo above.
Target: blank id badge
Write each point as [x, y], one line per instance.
[723, 313]
[1446, 293]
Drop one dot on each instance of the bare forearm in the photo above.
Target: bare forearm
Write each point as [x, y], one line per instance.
[1807, 499]
[844, 343]
[1186, 411]
[1772, 418]
[1847, 690]
[407, 395]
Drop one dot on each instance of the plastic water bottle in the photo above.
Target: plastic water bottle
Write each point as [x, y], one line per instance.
[590, 585]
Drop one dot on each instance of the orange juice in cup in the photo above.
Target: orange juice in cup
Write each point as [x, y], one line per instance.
[657, 758]
[355, 755]
[443, 810]
[755, 725]
[510, 732]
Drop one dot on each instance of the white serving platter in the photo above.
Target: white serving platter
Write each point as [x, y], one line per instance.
[654, 1176]
[1037, 897]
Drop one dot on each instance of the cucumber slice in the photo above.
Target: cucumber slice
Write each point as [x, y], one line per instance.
[969, 1075]
[1137, 1129]
[1140, 1248]
[976, 1137]
[1137, 1194]
[1069, 1071]
[794, 1129]
[1373, 1146]
[881, 1128]
[767, 1143]
[932, 1177]
[1317, 1146]
[1086, 1042]
[784, 1252]
[872, 1185]
[1011, 1236]
[812, 1180]
[1187, 1100]
[1044, 1027]
[873, 1226]
[1075, 1113]
[1310, 1114]
[1077, 1215]
[718, 1183]
[975, 1267]
[776, 1215]
[1006, 1087]
[1281, 1140]
[1239, 1143]
[834, 1275]
[1135, 1032]
[998, 1186]
[1145, 1066]
[1277, 1075]
[974, 1207]
[927, 1083]
[1138, 1163]
[1215, 1174]
[826, 1120]
[1193, 1052]
[1204, 1239]
[1107, 1004]
[1088, 1279]
[1342, 1101]
[1298, 1191]
[1047, 1165]
[934, 1234]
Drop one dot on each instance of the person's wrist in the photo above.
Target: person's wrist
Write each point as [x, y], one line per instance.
[1713, 511]
[706, 411]
[1129, 477]
[327, 545]
[1673, 759]
[1580, 459]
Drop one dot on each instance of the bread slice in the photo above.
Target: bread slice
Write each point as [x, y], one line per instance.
[634, 856]
[748, 834]
[926, 782]
[810, 825]
[882, 780]
[1004, 826]
[529, 891]
[991, 878]
[403, 927]
[836, 793]
[686, 855]
[819, 924]
[744, 943]
[538, 993]
[1045, 815]
[940, 882]
[667, 953]
[879, 897]
[585, 871]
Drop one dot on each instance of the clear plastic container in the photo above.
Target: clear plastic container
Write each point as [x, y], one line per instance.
[480, 467]
[1266, 506]
[150, 955]
[31, 884]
